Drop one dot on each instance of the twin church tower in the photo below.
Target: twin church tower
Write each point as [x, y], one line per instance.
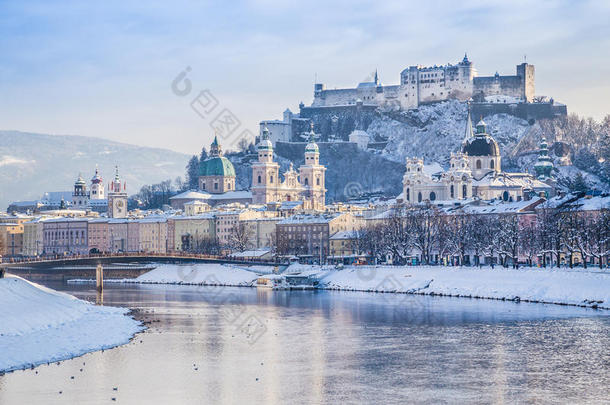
[308, 185]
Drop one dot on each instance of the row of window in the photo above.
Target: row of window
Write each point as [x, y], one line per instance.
[432, 195]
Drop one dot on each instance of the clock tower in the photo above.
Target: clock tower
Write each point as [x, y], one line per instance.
[117, 198]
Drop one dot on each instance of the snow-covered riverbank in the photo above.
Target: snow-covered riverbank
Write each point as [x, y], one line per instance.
[196, 274]
[561, 286]
[590, 288]
[40, 325]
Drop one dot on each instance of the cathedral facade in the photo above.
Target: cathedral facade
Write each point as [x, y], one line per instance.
[475, 171]
[306, 185]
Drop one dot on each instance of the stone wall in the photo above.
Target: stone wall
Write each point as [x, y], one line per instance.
[526, 111]
[342, 126]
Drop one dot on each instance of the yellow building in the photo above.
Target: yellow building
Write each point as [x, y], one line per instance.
[33, 236]
[187, 233]
[262, 231]
[11, 239]
[227, 221]
[152, 235]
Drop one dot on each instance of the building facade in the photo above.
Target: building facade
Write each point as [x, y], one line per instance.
[308, 185]
[62, 236]
[308, 236]
[475, 171]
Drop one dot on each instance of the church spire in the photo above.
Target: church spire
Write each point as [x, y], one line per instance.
[312, 135]
[376, 77]
[469, 133]
[215, 149]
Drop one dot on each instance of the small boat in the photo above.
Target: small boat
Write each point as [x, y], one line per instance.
[274, 281]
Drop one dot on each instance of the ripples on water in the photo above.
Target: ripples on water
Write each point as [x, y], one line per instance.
[331, 347]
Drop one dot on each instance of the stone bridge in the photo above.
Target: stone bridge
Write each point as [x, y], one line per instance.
[115, 266]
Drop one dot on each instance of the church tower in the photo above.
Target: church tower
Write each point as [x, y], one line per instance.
[97, 187]
[265, 172]
[544, 164]
[216, 173]
[117, 197]
[311, 175]
[80, 197]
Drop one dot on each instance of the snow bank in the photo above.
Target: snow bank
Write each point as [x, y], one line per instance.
[200, 274]
[576, 287]
[39, 325]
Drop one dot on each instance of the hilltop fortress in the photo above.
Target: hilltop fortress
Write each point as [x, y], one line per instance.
[420, 85]
[344, 114]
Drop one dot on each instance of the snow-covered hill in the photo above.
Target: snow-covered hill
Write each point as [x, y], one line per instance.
[434, 131]
[31, 164]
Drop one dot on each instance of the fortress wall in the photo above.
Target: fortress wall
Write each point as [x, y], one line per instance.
[346, 119]
[335, 97]
[526, 111]
[492, 85]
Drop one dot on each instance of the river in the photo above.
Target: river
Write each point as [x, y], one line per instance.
[247, 345]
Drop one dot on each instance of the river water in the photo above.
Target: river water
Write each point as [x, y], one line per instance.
[246, 345]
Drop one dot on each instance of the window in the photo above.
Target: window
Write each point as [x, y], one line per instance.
[478, 164]
[491, 164]
[419, 197]
[203, 185]
[259, 179]
[451, 190]
[271, 180]
[318, 181]
[306, 181]
[408, 195]
[432, 196]
[215, 186]
[464, 191]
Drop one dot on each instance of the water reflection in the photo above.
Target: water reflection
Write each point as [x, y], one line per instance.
[330, 347]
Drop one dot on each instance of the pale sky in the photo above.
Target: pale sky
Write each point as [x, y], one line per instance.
[105, 68]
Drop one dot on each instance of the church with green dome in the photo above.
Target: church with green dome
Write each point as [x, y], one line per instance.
[216, 173]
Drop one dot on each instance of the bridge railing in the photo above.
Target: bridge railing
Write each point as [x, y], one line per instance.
[176, 255]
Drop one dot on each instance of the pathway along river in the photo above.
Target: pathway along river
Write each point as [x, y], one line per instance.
[246, 345]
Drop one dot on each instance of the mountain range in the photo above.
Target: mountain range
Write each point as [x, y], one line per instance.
[32, 164]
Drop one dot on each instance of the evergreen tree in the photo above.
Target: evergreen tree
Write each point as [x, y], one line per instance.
[204, 154]
[192, 173]
[579, 184]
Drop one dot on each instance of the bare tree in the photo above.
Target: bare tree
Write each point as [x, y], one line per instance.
[424, 223]
[529, 244]
[240, 238]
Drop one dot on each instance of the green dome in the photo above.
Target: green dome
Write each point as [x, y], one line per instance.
[217, 166]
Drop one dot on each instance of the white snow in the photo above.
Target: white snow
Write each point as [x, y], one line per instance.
[574, 287]
[40, 325]
[589, 288]
[200, 274]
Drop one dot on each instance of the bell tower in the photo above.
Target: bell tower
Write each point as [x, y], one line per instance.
[117, 197]
[97, 187]
[265, 172]
[311, 175]
[80, 197]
